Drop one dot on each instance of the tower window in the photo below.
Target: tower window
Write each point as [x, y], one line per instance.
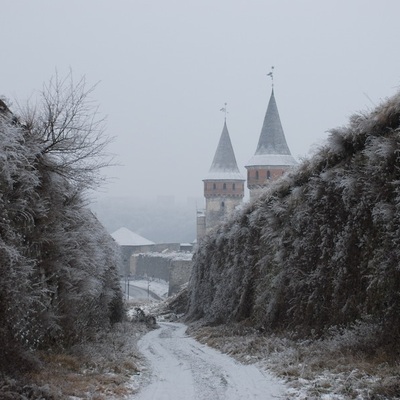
[214, 186]
[257, 175]
[222, 204]
[233, 186]
[224, 187]
[268, 174]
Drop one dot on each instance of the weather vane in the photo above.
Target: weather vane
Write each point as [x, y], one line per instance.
[224, 110]
[271, 74]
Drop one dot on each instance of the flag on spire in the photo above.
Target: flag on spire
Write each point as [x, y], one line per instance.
[224, 110]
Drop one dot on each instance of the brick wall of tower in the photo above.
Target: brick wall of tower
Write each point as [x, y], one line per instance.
[223, 188]
[262, 175]
[259, 177]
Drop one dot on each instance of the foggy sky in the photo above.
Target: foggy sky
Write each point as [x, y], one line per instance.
[166, 68]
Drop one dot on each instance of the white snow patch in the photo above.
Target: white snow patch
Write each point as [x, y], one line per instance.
[173, 255]
[157, 286]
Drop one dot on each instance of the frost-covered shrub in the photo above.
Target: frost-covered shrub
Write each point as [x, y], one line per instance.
[318, 248]
[18, 204]
[58, 266]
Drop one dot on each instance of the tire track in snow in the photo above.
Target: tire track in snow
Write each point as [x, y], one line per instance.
[184, 369]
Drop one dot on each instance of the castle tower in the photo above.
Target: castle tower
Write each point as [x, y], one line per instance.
[272, 157]
[223, 186]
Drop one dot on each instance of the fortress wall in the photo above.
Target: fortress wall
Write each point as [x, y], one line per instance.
[174, 268]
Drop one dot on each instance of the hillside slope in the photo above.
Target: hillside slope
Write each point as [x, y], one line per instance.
[320, 248]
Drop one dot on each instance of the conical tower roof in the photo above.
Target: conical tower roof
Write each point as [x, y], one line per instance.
[224, 164]
[272, 148]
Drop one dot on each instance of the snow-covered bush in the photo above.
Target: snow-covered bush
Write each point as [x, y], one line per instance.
[58, 265]
[18, 206]
[320, 247]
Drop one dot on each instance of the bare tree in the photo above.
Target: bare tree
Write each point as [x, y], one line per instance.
[67, 122]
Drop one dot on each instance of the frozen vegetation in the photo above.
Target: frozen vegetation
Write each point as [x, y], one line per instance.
[314, 262]
[59, 286]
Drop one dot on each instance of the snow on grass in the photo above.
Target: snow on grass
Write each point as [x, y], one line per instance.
[102, 369]
[320, 369]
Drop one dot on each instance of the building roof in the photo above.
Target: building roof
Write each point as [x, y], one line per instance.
[224, 164]
[272, 141]
[124, 237]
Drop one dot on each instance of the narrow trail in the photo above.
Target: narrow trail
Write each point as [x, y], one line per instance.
[183, 369]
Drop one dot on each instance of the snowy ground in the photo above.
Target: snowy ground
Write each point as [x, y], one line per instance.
[157, 286]
[147, 287]
[180, 368]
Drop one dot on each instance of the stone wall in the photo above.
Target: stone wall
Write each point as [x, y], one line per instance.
[149, 265]
[179, 274]
[157, 248]
[175, 268]
[127, 251]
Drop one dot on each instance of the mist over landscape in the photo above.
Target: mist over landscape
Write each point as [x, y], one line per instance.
[161, 220]
[200, 200]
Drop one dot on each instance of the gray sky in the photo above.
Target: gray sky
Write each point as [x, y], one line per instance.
[166, 67]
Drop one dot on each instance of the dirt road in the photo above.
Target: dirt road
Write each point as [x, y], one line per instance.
[183, 369]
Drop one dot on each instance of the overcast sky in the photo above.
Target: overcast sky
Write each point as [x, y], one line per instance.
[166, 67]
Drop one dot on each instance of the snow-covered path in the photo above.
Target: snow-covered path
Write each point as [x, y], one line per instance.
[184, 369]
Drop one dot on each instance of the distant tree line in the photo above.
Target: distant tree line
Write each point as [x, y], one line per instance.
[320, 248]
[58, 266]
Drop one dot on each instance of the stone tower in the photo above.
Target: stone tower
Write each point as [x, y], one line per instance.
[223, 186]
[272, 157]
